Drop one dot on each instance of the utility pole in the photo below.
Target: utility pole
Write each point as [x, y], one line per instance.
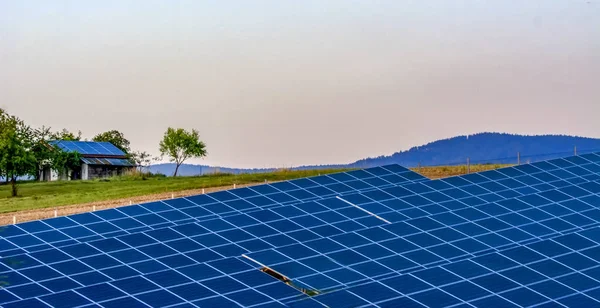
[468, 165]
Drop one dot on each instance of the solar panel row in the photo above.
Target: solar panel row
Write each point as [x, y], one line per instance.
[35, 227]
[39, 235]
[562, 271]
[422, 242]
[92, 226]
[387, 233]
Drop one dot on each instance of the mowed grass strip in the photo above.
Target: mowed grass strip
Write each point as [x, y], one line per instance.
[446, 171]
[39, 195]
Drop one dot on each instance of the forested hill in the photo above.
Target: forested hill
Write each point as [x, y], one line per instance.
[487, 148]
[479, 148]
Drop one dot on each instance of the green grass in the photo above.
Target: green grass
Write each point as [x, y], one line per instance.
[39, 195]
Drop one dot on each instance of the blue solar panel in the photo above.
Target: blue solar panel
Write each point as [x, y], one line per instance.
[454, 243]
[89, 147]
[107, 161]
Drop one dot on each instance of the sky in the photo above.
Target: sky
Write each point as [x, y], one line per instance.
[288, 83]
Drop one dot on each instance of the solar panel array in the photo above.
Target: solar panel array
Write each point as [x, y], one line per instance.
[521, 236]
[89, 147]
[40, 235]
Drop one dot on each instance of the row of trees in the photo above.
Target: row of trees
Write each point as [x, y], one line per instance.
[26, 151]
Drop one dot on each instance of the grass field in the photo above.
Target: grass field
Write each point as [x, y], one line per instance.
[36, 195]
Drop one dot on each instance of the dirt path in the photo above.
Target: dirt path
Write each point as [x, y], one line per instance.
[23, 216]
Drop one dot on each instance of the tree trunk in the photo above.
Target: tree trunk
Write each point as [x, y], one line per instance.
[13, 183]
[176, 169]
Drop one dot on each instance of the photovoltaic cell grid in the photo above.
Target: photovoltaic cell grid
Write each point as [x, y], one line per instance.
[107, 161]
[40, 235]
[114, 222]
[361, 174]
[344, 254]
[560, 272]
[89, 147]
[375, 253]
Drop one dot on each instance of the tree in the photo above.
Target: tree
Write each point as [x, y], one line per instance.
[61, 161]
[3, 117]
[16, 155]
[41, 149]
[54, 157]
[65, 135]
[116, 138]
[142, 159]
[179, 145]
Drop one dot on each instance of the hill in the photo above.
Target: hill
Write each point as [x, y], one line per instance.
[488, 148]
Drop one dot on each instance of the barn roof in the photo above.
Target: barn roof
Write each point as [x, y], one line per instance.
[89, 148]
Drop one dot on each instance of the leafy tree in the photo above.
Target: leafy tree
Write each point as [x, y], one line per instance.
[16, 156]
[3, 118]
[54, 157]
[41, 149]
[61, 161]
[115, 137]
[179, 145]
[66, 135]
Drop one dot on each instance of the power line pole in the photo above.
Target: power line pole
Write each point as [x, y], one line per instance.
[468, 165]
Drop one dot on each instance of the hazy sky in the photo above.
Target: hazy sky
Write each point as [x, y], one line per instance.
[281, 83]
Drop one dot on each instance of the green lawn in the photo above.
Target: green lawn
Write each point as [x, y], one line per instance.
[38, 195]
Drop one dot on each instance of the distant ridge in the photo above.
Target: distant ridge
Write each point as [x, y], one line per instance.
[488, 148]
[479, 148]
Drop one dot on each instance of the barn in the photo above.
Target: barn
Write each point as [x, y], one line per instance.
[98, 160]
